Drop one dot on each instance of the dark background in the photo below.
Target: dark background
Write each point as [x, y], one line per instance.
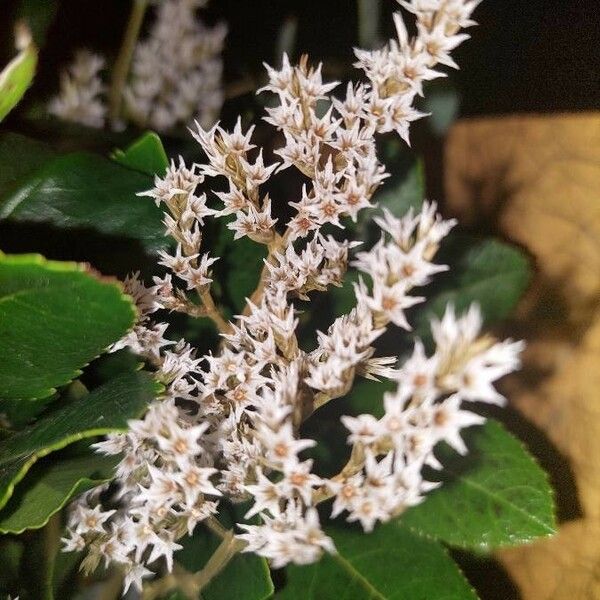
[524, 56]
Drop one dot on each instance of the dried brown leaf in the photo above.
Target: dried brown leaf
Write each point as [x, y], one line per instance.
[536, 180]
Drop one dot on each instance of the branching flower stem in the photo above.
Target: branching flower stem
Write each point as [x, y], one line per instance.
[277, 245]
[123, 62]
[212, 312]
[192, 584]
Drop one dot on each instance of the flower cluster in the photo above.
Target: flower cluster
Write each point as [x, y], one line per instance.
[81, 89]
[177, 70]
[176, 75]
[230, 423]
[165, 476]
[383, 477]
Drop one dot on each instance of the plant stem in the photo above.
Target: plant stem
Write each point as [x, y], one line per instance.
[38, 564]
[353, 466]
[51, 541]
[168, 583]
[212, 312]
[369, 12]
[113, 586]
[213, 524]
[275, 246]
[227, 549]
[121, 68]
[192, 584]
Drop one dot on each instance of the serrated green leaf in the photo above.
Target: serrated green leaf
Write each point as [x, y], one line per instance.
[105, 409]
[19, 413]
[49, 485]
[16, 77]
[495, 496]
[54, 318]
[390, 563]
[491, 273]
[16, 413]
[83, 190]
[146, 154]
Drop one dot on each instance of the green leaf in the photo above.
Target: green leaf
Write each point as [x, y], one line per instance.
[84, 190]
[49, 485]
[54, 319]
[390, 563]
[343, 298]
[109, 366]
[19, 156]
[366, 396]
[16, 77]
[17, 413]
[403, 191]
[245, 265]
[491, 273]
[442, 101]
[146, 155]
[495, 496]
[240, 267]
[246, 576]
[105, 409]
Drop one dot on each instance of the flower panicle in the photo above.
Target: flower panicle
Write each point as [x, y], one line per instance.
[228, 424]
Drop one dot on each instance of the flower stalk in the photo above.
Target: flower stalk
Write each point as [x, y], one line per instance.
[123, 62]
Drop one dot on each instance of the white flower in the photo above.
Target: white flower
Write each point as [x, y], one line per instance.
[475, 380]
[92, 519]
[364, 429]
[74, 542]
[298, 478]
[266, 494]
[417, 375]
[177, 43]
[134, 575]
[347, 493]
[81, 91]
[448, 419]
[181, 443]
[194, 481]
[163, 545]
[281, 446]
[368, 511]
[390, 302]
